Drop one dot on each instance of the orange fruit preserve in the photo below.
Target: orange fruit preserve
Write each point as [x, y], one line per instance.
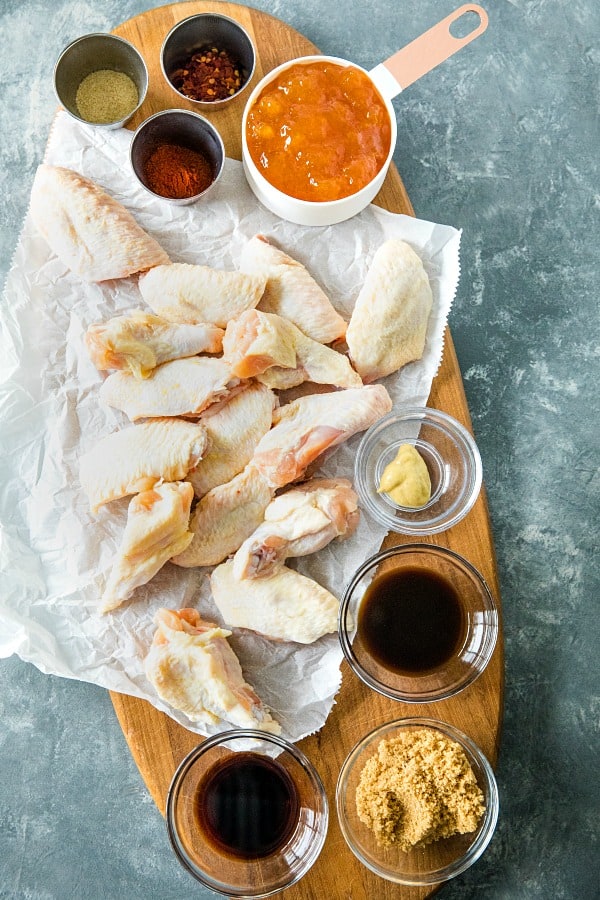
[319, 131]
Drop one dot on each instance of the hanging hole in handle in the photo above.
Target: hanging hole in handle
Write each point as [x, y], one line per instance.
[467, 23]
[431, 48]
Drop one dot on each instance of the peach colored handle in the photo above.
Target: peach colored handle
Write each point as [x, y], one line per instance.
[427, 51]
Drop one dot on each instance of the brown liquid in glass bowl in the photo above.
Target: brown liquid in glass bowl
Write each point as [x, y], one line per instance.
[411, 620]
[247, 806]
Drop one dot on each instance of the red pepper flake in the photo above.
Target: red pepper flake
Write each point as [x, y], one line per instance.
[177, 172]
[209, 74]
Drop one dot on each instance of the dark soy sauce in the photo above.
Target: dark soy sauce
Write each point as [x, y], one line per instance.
[411, 621]
[247, 806]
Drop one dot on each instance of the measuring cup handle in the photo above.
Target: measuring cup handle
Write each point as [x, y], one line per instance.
[426, 52]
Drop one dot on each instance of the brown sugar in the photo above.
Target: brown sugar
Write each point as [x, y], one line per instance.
[417, 788]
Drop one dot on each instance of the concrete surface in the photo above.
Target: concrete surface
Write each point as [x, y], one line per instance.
[502, 141]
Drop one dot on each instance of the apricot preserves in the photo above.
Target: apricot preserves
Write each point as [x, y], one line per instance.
[319, 131]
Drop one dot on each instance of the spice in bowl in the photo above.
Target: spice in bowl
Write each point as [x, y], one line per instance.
[209, 74]
[208, 58]
[177, 172]
[178, 155]
[417, 788]
[106, 96]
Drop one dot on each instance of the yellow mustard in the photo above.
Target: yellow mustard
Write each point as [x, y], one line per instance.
[406, 479]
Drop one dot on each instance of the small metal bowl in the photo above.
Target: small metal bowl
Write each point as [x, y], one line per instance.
[90, 53]
[203, 30]
[186, 129]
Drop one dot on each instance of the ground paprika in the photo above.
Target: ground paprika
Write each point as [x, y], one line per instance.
[177, 172]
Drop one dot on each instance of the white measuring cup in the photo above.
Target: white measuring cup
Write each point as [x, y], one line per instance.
[390, 78]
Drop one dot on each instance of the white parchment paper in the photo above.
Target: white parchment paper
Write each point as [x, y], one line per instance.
[54, 555]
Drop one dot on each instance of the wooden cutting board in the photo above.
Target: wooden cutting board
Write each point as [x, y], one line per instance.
[157, 743]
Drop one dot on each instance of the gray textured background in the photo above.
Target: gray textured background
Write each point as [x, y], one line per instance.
[502, 141]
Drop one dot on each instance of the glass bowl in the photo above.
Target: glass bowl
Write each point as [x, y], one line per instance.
[451, 457]
[246, 813]
[417, 623]
[427, 864]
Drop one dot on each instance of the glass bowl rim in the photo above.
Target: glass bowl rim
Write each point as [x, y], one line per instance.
[488, 644]
[451, 427]
[222, 738]
[490, 818]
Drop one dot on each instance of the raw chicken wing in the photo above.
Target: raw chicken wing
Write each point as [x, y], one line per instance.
[194, 294]
[182, 387]
[310, 425]
[225, 517]
[193, 669]
[234, 428]
[389, 322]
[89, 230]
[255, 341]
[301, 521]
[136, 458]
[139, 342]
[291, 291]
[279, 379]
[156, 529]
[285, 606]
